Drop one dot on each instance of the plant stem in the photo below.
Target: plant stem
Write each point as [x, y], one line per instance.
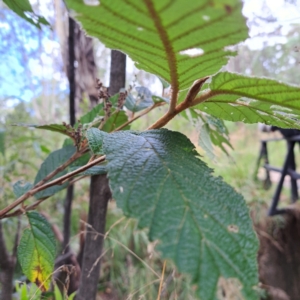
[144, 112]
[59, 180]
[57, 170]
[189, 101]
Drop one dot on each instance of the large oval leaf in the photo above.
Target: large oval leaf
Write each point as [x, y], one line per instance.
[180, 41]
[37, 250]
[252, 100]
[202, 223]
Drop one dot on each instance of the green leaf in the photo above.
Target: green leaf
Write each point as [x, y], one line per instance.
[57, 293]
[114, 99]
[20, 188]
[51, 127]
[68, 142]
[142, 101]
[95, 138]
[81, 161]
[158, 99]
[54, 160]
[2, 142]
[89, 117]
[117, 118]
[214, 131]
[252, 100]
[26, 292]
[203, 224]
[164, 83]
[37, 250]
[204, 140]
[177, 41]
[45, 149]
[24, 10]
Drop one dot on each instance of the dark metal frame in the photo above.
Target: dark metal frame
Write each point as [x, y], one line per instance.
[289, 168]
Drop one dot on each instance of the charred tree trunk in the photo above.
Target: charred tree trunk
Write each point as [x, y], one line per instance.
[279, 255]
[68, 279]
[7, 265]
[72, 112]
[99, 196]
[117, 72]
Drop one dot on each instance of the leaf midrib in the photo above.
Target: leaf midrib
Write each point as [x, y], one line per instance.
[218, 92]
[169, 52]
[284, 119]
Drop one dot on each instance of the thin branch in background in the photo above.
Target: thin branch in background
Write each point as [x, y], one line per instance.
[167, 283]
[161, 281]
[123, 246]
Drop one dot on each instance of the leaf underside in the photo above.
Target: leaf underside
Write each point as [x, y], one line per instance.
[50, 127]
[155, 34]
[142, 101]
[212, 131]
[252, 100]
[202, 223]
[24, 10]
[21, 188]
[37, 250]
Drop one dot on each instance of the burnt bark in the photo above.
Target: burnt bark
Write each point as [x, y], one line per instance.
[7, 266]
[100, 194]
[117, 72]
[68, 277]
[279, 255]
[72, 115]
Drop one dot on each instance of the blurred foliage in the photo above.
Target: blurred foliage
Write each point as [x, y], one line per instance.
[280, 61]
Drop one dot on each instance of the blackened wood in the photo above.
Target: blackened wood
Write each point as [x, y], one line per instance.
[117, 72]
[7, 266]
[99, 196]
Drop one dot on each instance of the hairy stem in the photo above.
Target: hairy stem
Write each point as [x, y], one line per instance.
[189, 101]
[144, 112]
[58, 180]
[57, 170]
